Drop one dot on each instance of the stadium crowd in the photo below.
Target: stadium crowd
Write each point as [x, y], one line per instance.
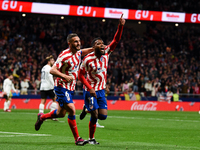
[165, 58]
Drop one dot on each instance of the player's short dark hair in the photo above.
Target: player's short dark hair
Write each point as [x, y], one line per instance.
[70, 36]
[93, 41]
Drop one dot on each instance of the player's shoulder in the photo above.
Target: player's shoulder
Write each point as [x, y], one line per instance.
[6, 80]
[65, 52]
[89, 56]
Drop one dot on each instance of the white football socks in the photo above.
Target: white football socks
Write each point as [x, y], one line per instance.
[41, 108]
[53, 106]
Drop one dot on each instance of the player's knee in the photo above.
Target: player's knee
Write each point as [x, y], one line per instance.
[102, 117]
[5, 96]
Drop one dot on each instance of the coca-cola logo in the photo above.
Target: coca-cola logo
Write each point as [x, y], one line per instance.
[150, 106]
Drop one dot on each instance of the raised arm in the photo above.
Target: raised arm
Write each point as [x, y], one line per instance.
[118, 34]
[86, 51]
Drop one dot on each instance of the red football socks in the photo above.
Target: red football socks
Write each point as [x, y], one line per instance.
[73, 126]
[92, 129]
[49, 115]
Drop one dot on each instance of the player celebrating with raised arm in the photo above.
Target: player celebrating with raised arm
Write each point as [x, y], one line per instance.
[66, 70]
[95, 65]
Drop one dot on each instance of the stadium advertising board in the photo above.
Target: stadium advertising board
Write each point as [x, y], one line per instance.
[100, 12]
[18, 103]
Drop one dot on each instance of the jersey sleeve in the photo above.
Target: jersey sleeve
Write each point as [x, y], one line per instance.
[13, 88]
[81, 74]
[50, 76]
[83, 65]
[115, 40]
[58, 63]
[4, 84]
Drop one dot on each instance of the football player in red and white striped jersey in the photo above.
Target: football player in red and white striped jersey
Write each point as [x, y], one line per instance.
[66, 70]
[95, 66]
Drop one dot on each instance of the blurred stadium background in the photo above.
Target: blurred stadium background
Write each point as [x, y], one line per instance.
[158, 53]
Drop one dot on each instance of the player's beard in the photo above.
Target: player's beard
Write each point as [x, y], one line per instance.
[99, 53]
[77, 48]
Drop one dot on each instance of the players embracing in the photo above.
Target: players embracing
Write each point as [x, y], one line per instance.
[95, 66]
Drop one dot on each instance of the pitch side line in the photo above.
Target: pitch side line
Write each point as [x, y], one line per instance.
[14, 134]
[122, 117]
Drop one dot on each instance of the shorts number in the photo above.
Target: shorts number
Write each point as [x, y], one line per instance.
[67, 95]
[91, 100]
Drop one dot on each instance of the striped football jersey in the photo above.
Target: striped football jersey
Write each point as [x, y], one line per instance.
[96, 69]
[68, 63]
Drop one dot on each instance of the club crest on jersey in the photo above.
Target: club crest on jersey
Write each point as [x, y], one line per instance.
[75, 69]
[101, 59]
[58, 60]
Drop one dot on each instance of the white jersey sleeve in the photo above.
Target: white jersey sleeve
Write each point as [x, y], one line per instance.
[47, 82]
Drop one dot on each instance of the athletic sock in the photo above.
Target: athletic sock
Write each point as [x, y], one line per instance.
[92, 127]
[73, 126]
[8, 104]
[41, 108]
[53, 106]
[5, 106]
[49, 115]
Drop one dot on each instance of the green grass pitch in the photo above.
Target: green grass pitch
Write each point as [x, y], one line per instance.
[132, 130]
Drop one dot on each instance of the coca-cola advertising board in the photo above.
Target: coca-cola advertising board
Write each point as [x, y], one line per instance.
[112, 105]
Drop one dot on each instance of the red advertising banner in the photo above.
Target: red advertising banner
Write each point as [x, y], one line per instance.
[16, 6]
[192, 18]
[112, 105]
[145, 15]
[86, 11]
[101, 12]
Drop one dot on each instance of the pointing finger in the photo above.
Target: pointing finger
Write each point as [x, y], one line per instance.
[121, 16]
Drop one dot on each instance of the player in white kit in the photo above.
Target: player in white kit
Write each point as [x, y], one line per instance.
[47, 85]
[8, 86]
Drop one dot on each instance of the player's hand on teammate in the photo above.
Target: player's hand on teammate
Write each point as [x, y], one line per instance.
[122, 20]
[93, 93]
[107, 90]
[69, 78]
